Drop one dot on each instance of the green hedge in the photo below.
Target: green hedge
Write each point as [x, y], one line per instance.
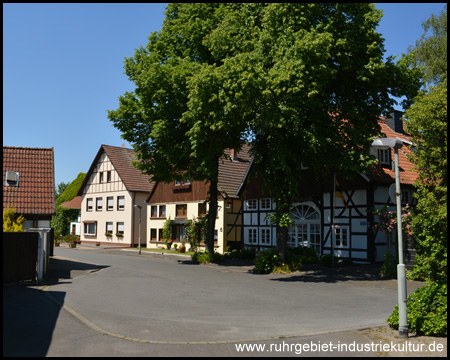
[427, 311]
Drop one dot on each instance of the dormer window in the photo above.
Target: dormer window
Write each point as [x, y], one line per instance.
[384, 156]
[12, 178]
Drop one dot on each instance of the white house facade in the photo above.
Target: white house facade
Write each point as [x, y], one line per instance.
[111, 195]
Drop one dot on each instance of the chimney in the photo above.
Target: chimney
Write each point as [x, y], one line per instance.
[233, 154]
[394, 121]
[123, 145]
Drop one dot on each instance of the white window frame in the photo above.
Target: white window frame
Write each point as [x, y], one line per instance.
[342, 235]
[251, 205]
[384, 155]
[120, 224]
[87, 228]
[119, 206]
[110, 203]
[252, 236]
[265, 204]
[89, 204]
[109, 227]
[265, 236]
[99, 204]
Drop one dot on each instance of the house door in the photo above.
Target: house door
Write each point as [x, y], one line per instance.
[305, 230]
[74, 228]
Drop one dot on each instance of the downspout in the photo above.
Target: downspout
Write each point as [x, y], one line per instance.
[132, 219]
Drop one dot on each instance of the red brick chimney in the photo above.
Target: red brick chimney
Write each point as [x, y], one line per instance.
[233, 154]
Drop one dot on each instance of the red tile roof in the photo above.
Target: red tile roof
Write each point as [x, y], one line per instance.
[75, 203]
[36, 191]
[232, 172]
[121, 159]
[407, 172]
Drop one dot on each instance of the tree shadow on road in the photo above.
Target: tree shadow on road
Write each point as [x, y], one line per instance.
[65, 269]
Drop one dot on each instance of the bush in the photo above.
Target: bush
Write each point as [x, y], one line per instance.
[427, 311]
[248, 254]
[267, 260]
[204, 257]
[327, 260]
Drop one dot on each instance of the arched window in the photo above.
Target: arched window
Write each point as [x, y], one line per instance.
[305, 230]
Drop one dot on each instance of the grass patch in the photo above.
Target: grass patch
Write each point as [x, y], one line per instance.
[190, 253]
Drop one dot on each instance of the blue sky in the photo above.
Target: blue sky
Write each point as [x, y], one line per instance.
[63, 69]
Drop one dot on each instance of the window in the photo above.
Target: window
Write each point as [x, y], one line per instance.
[384, 156]
[100, 174]
[342, 236]
[181, 210]
[265, 236]
[154, 211]
[251, 205]
[89, 204]
[153, 234]
[407, 197]
[202, 209]
[264, 204]
[109, 228]
[121, 203]
[252, 236]
[90, 228]
[120, 228]
[99, 204]
[12, 178]
[110, 203]
[108, 176]
[179, 232]
[162, 210]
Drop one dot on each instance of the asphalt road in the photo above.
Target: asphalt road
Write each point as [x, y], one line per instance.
[111, 303]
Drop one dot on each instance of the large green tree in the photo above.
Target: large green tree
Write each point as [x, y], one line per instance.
[64, 216]
[304, 82]
[427, 123]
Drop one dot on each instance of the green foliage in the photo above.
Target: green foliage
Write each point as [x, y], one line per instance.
[327, 260]
[427, 311]
[427, 123]
[248, 254]
[279, 74]
[206, 257]
[70, 238]
[167, 233]
[266, 261]
[195, 231]
[430, 52]
[64, 216]
[12, 222]
[71, 190]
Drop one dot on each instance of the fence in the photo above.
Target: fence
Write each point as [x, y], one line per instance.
[20, 250]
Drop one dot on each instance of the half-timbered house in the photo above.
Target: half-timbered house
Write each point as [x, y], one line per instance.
[347, 205]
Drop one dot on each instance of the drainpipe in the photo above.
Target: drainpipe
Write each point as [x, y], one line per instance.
[132, 219]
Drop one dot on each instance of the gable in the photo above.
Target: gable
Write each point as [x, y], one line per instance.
[112, 170]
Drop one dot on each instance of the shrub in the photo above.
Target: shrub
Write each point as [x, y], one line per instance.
[427, 311]
[267, 260]
[204, 257]
[327, 260]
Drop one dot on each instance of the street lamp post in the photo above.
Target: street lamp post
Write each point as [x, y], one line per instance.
[401, 272]
[139, 244]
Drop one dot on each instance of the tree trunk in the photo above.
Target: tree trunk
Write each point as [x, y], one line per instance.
[212, 214]
[282, 241]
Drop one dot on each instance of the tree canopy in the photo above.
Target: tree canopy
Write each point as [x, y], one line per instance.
[427, 123]
[303, 82]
